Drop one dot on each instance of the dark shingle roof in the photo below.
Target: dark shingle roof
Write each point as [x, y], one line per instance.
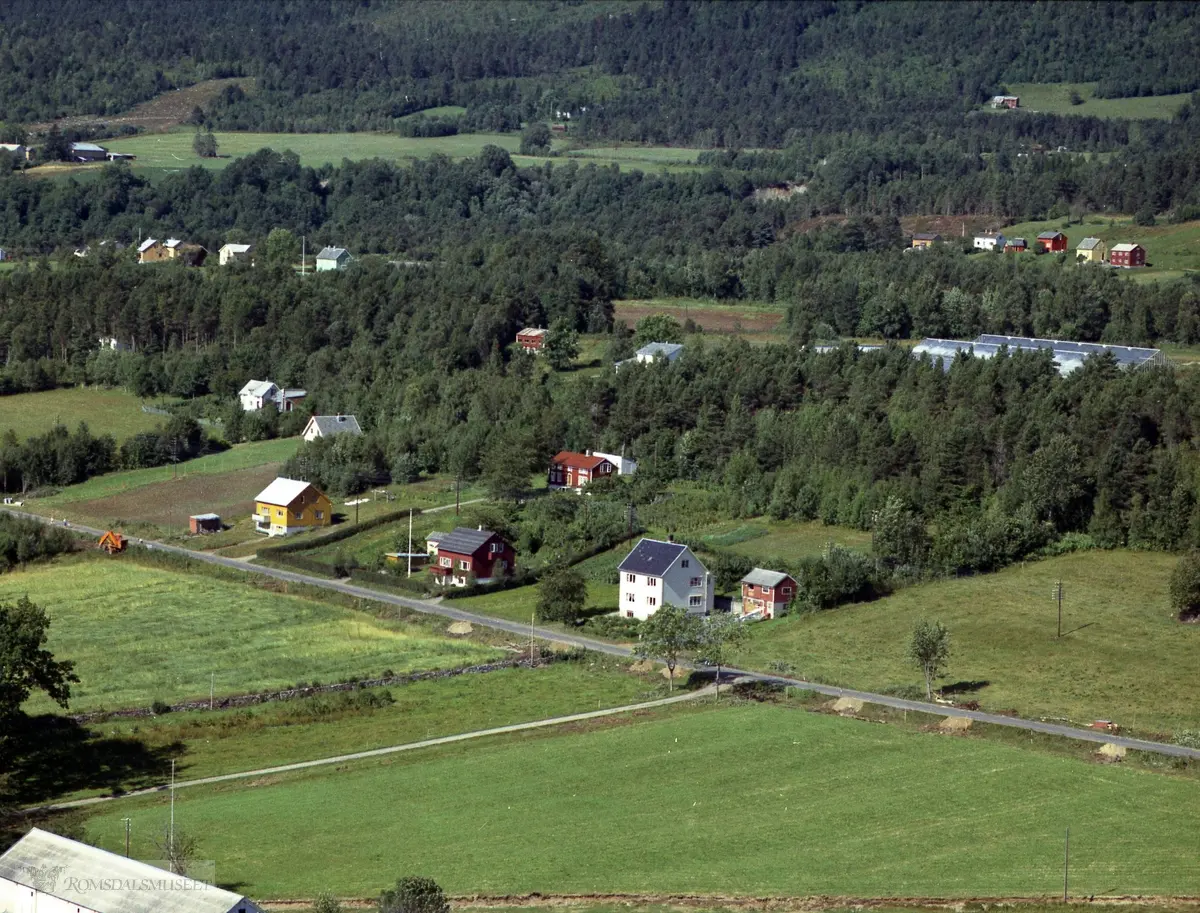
[651, 556]
[464, 541]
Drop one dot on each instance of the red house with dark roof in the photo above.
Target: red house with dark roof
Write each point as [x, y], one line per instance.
[1052, 241]
[532, 339]
[574, 470]
[471, 555]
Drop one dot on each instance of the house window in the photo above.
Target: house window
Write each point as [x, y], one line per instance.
[787, 591]
[651, 581]
[651, 600]
[279, 513]
[766, 591]
[446, 562]
[320, 514]
[629, 597]
[695, 601]
[628, 613]
[685, 563]
[631, 578]
[696, 581]
[464, 565]
[497, 547]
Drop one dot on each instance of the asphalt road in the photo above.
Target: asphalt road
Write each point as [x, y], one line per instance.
[446, 610]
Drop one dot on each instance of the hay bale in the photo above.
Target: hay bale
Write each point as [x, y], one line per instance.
[847, 706]
[642, 667]
[1111, 752]
[460, 628]
[955, 724]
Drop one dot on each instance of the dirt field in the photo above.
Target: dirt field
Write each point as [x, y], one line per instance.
[171, 502]
[732, 319]
[161, 113]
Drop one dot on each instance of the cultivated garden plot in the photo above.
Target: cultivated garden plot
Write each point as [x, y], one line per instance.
[742, 800]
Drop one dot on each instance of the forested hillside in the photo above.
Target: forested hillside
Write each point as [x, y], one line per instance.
[727, 74]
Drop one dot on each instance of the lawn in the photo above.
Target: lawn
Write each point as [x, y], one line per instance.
[107, 411]
[1055, 98]
[763, 540]
[757, 321]
[750, 799]
[140, 634]
[1125, 659]
[520, 604]
[282, 733]
[1170, 249]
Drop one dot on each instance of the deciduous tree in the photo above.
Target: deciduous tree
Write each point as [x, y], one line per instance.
[720, 636]
[414, 894]
[562, 594]
[668, 634]
[25, 663]
[929, 648]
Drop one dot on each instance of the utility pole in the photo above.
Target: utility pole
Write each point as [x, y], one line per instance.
[410, 542]
[128, 822]
[212, 689]
[1066, 864]
[1058, 594]
[356, 500]
[457, 503]
[532, 619]
[171, 829]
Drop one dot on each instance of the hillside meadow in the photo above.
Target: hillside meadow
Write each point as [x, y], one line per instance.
[139, 634]
[106, 411]
[1055, 98]
[743, 799]
[1171, 250]
[1123, 656]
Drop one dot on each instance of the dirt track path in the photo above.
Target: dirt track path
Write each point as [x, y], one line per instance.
[391, 749]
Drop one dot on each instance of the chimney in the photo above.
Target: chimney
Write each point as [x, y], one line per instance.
[481, 527]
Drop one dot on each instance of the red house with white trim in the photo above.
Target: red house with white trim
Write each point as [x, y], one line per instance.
[471, 555]
[1127, 255]
[574, 470]
[532, 339]
[766, 594]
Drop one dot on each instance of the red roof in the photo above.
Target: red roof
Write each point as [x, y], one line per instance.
[578, 460]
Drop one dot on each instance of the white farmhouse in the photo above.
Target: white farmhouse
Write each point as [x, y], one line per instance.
[257, 393]
[989, 242]
[332, 258]
[46, 873]
[656, 573]
[330, 425]
[230, 253]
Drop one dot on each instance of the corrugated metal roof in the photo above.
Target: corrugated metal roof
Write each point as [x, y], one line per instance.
[332, 253]
[1049, 235]
[205, 517]
[668, 349]
[1089, 244]
[87, 876]
[256, 388]
[464, 540]
[1069, 356]
[652, 556]
[87, 147]
[762, 577]
[282, 492]
[533, 331]
[146, 245]
[1123, 248]
[435, 536]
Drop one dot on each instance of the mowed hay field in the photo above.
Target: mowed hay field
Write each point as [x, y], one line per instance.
[1055, 98]
[1125, 658]
[106, 411]
[747, 799]
[139, 634]
[1170, 249]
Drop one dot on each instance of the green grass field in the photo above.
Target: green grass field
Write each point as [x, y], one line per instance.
[1055, 98]
[107, 411]
[139, 634]
[282, 733]
[1126, 658]
[747, 800]
[762, 539]
[1170, 249]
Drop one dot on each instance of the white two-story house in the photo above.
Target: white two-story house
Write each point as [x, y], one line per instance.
[658, 573]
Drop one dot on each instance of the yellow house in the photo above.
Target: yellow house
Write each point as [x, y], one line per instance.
[922, 240]
[289, 506]
[1091, 250]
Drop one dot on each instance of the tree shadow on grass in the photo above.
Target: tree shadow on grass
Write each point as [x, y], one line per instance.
[965, 687]
[50, 756]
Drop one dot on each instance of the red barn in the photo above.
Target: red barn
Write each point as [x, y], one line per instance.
[574, 470]
[1127, 255]
[532, 339]
[1052, 241]
[1015, 246]
[471, 553]
[766, 594]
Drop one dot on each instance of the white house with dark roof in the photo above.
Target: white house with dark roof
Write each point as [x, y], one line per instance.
[231, 253]
[331, 258]
[258, 393]
[330, 425]
[656, 573]
[992, 241]
[46, 873]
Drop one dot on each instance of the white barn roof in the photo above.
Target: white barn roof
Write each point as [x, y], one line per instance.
[95, 879]
[282, 492]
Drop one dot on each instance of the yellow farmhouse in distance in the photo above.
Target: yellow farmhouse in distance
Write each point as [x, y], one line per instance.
[290, 506]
